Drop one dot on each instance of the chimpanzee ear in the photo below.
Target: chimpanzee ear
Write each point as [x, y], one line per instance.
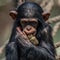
[13, 14]
[45, 15]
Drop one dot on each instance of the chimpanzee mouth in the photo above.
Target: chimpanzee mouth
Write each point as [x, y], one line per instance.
[30, 33]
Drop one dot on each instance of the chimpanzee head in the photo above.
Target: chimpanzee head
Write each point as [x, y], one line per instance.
[30, 16]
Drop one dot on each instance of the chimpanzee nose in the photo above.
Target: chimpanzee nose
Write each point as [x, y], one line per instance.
[28, 28]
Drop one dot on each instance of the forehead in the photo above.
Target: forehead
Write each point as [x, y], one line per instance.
[29, 19]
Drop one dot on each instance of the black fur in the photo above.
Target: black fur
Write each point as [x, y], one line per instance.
[45, 50]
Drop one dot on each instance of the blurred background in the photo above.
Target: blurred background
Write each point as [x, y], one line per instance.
[6, 22]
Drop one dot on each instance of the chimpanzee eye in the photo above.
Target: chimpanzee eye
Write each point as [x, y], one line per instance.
[23, 23]
[34, 24]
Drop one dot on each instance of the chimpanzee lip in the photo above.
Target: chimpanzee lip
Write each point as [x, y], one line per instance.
[33, 33]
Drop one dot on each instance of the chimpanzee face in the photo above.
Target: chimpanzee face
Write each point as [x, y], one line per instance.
[29, 25]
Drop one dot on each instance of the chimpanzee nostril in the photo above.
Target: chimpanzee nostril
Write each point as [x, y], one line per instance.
[28, 28]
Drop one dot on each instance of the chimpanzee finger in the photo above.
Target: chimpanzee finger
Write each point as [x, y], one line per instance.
[24, 43]
[25, 35]
[22, 34]
[19, 31]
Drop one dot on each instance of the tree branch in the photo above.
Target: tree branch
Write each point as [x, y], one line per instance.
[57, 44]
[58, 57]
[54, 19]
[43, 4]
[49, 6]
[55, 28]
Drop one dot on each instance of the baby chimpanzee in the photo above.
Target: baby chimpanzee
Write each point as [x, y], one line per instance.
[31, 37]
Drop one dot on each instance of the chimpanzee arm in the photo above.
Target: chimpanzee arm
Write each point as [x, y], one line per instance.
[31, 52]
[11, 51]
[38, 53]
[48, 39]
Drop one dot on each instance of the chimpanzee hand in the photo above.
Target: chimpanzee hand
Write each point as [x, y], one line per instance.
[22, 38]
